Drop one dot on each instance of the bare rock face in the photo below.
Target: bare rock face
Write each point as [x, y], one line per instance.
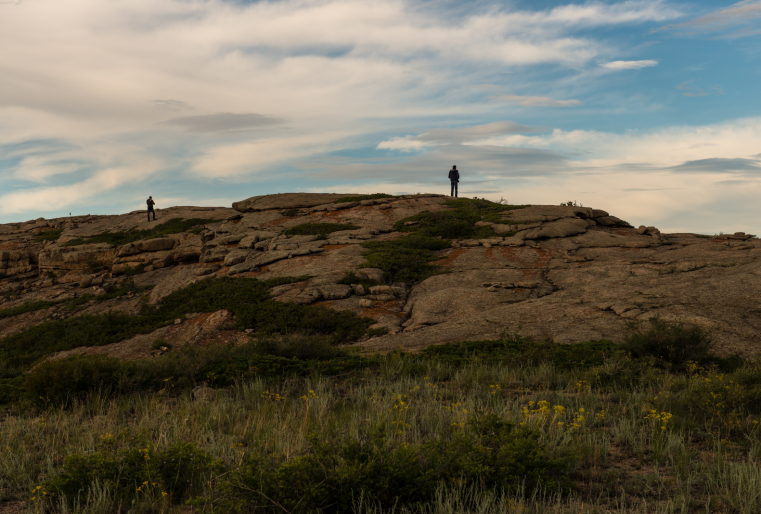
[565, 273]
[286, 201]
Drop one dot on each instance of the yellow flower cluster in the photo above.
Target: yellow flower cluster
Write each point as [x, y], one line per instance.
[657, 419]
[274, 397]
[309, 396]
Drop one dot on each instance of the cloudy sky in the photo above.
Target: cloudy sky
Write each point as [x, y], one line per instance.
[648, 109]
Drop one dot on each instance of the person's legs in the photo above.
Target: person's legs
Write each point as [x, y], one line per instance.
[454, 185]
[455, 189]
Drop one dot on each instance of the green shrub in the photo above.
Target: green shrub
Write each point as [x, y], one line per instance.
[673, 345]
[524, 350]
[247, 298]
[350, 278]
[134, 474]
[318, 229]
[34, 305]
[459, 222]
[172, 226]
[289, 213]
[490, 454]
[24, 348]
[405, 259]
[359, 198]
[49, 235]
[68, 379]
[125, 287]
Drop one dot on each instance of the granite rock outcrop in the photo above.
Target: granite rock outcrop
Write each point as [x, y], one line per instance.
[564, 273]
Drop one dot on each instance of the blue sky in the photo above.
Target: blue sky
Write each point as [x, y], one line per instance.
[648, 109]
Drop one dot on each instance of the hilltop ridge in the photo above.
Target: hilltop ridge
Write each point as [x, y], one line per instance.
[428, 269]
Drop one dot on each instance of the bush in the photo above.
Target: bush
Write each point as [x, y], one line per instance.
[350, 278]
[405, 259]
[140, 473]
[318, 229]
[458, 223]
[673, 345]
[65, 380]
[524, 350]
[247, 298]
[34, 305]
[49, 235]
[359, 198]
[172, 226]
[338, 470]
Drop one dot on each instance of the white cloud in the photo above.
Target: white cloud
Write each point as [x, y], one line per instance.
[536, 101]
[645, 150]
[443, 136]
[98, 79]
[629, 65]
[733, 21]
[404, 144]
[58, 197]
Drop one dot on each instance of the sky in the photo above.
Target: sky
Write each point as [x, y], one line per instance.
[647, 109]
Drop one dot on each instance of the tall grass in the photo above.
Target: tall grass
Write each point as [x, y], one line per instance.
[623, 458]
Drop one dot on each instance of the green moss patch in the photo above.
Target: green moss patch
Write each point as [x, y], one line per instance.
[172, 226]
[458, 223]
[375, 196]
[350, 278]
[49, 235]
[27, 307]
[318, 229]
[405, 259]
[247, 298]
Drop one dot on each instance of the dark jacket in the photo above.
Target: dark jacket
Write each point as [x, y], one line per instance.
[150, 203]
[454, 175]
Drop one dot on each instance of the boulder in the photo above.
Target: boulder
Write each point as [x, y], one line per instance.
[229, 239]
[286, 201]
[610, 221]
[335, 291]
[215, 254]
[236, 257]
[560, 228]
[375, 274]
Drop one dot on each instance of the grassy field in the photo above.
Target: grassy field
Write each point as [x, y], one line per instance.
[658, 425]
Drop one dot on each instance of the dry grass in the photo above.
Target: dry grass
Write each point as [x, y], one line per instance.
[652, 447]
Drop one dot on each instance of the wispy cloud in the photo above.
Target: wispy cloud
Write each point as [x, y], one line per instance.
[629, 65]
[171, 105]
[731, 22]
[223, 122]
[443, 136]
[690, 89]
[536, 101]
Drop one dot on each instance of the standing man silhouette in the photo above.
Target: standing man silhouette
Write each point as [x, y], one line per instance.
[150, 204]
[454, 178]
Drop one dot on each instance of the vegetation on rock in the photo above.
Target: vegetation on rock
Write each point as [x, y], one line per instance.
[172, 226]
[49, 235]
[459, 222]
[374, 196]
[248, 299]
[495, 426]
[405, 259]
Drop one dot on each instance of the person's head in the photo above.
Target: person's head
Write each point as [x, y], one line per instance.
[454, 167]
[150, 197]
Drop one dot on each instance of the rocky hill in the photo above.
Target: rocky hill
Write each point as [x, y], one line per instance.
[425, 268]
